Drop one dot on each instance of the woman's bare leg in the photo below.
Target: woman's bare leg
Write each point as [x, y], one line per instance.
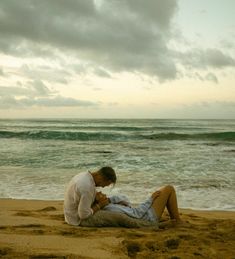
[166, 197]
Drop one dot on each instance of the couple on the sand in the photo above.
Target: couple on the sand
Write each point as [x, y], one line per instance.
[82, 201]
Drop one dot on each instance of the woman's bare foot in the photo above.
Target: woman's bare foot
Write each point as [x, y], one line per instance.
[167, 224]
[182, 223]
[173, 223]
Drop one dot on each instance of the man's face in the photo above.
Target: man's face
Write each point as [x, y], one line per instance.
[102, 182]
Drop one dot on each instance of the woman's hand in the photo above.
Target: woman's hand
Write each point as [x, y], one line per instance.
[124, 203]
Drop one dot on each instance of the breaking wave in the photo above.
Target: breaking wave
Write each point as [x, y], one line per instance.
[112, 136]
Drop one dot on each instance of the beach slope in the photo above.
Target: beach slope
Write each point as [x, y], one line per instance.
[36, 229]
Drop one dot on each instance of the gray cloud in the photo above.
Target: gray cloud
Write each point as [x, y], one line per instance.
[227, 44]
[208, 77]
[209, 58]
[31, 89]
[50, 74]
[17, 46]
[36, 93]
[123, 35]
[66, 102]
[9, 91]
[211, 77]
[57, 101]
[1, 72]
[216, 58]
[40, 88]
[102, 73]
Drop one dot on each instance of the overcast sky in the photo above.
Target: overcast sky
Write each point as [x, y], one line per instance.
[117, 58]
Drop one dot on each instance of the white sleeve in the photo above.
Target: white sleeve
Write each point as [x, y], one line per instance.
[84, 207]
[118, 198]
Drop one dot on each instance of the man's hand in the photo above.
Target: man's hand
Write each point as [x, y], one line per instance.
[100, 196]
[102, 203]
[101, 199]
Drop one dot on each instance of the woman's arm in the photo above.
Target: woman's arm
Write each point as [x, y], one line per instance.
[120, 199]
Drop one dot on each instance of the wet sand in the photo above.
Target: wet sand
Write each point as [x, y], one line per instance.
[36, 229]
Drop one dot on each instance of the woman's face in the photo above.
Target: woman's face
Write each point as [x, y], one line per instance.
[100, 196]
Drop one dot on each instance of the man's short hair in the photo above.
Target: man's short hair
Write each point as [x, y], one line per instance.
[108, 173]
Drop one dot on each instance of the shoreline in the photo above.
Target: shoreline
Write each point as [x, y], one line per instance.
[36, 228]
[181, 208]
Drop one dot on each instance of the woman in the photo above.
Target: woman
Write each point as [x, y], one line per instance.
[150, 210]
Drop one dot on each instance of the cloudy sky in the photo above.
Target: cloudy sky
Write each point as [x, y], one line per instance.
[117, 58]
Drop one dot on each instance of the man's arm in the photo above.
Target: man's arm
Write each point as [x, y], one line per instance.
[101, 200]
[84, 207]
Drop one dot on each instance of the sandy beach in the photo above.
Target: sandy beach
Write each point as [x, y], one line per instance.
[36, 229]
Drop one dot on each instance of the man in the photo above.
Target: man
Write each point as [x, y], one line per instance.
[81, 192]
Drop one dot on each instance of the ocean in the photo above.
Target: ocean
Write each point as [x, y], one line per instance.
[40, 156]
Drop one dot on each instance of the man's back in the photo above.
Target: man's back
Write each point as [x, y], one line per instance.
[79, 196]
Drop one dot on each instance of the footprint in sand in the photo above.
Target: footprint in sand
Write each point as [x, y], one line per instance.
[4, 251]
[47, 256]
[132, 247]
[50, 208]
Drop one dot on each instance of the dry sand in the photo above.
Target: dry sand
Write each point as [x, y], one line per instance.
[36, 229]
